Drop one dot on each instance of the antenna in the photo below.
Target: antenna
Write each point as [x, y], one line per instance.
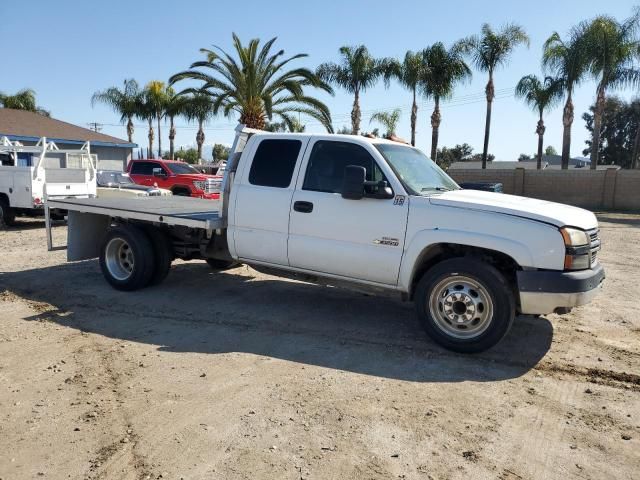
[95, 126]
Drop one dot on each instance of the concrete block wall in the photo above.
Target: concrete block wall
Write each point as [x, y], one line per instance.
[601, 189]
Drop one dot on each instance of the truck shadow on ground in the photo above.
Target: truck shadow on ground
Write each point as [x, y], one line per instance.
[197, 310]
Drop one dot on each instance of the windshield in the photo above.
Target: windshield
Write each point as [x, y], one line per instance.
[105, 179]
[180, 168]
[419, 174]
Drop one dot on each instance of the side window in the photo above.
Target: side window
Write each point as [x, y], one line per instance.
[142, 168]
[325, 171]
[274, 162]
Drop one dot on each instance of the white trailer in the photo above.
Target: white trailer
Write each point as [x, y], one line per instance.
[32, 175]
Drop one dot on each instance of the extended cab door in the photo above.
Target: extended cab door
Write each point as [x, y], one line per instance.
[361, 239]
[263, 198]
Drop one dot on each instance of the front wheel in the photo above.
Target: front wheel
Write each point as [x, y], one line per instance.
[465, 305]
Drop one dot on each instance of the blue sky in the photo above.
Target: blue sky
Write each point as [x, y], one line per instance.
[67, 49]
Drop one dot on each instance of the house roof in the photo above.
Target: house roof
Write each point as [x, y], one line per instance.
[494, 165]
[22, 125]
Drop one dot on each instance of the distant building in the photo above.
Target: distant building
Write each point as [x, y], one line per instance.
[549, 162]
[494, 165]
[28, 127]
[575, 162]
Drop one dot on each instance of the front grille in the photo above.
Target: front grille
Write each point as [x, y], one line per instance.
[594, 244]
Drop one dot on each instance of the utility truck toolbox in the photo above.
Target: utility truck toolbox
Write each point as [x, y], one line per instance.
[361, 211]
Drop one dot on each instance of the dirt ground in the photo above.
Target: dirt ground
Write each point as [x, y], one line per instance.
[239, 375]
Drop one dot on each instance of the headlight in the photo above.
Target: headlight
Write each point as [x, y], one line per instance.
[199, 184]
[578, 249]
[574, 237]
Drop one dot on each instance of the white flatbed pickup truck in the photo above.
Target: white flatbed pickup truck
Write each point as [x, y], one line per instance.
[368, 212]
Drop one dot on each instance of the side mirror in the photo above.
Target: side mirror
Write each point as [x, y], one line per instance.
[353, 182]
[380, 190]
[158, 172]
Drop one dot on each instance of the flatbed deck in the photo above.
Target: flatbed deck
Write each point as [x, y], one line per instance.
[173, 210]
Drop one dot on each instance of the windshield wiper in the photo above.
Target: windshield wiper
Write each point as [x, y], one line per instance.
[437, 189]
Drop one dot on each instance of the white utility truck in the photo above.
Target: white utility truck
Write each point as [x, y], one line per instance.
[29, 175]
[370, 212]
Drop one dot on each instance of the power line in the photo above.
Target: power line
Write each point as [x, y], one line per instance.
[95, 126]
[457, 101]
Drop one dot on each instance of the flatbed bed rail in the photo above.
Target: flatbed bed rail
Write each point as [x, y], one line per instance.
[174, 210]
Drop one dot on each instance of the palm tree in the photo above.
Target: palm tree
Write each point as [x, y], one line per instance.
[357, 72]
[389, 120]
[442, 70]
[611, 48]
[199, 106]
[256, 85]
[176, 106]
[294, 127]
[488, 51]
[144, 110]
[539, 95]
[566, 60]
[125, 102]
[410, 73]
[157, 99]
[24, 99]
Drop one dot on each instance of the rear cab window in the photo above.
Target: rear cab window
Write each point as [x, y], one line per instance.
[143, 168]
[274, 162]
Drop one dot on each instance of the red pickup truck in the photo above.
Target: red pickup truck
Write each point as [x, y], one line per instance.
[179, 177]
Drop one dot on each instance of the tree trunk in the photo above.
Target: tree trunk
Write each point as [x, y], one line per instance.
[355, 114]
[130, 129]
[150, 149]
[490, 92]
[435, 128]
[414, 119]
[159, 138]
[636, 147]
[200, 140]
[540, 131]
[567, 121]
[597, 126]
[172, 136]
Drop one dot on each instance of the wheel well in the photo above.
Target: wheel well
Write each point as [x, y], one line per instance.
[5, 197]
[181, 189]
[443, 251]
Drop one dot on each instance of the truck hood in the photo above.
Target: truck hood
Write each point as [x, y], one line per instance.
[556, 214]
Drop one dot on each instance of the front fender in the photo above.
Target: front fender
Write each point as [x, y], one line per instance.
[425, 239]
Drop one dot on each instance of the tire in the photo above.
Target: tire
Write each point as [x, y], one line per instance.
[162, 254]
[465, 305]
[126, 258]
[182, 192]
[216, 264]
[7, 214]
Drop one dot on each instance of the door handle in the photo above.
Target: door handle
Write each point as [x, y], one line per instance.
[303, 207]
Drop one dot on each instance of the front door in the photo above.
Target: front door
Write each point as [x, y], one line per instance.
[361, 239]
[263, 200]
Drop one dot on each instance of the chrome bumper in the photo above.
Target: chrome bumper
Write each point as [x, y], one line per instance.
[543, 292]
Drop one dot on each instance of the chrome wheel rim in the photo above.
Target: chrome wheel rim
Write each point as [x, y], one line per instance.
[119, 259]
[461, 307]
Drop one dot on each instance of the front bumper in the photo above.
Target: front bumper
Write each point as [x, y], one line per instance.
[207, 196]
[544, 291]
